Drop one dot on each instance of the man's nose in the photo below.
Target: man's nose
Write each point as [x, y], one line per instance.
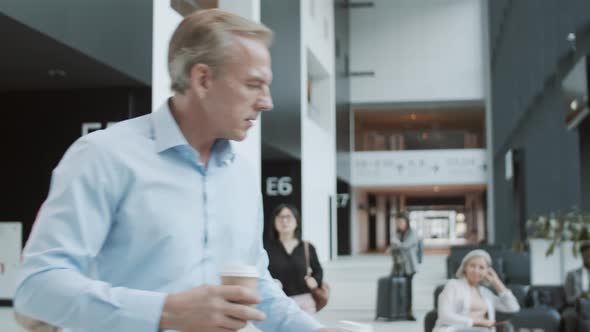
[265, 101]
[265, 104]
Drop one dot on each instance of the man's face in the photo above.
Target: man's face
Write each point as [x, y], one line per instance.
[241, 91]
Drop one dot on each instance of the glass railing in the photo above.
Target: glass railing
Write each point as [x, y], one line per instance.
[419, 167]
[418, 140]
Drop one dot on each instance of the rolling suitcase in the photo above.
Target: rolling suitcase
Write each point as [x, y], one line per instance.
[392, 298]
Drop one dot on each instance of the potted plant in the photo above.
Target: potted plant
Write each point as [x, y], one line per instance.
[554, 242]
[572, 226]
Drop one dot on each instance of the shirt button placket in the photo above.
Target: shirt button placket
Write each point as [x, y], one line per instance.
[205, 213]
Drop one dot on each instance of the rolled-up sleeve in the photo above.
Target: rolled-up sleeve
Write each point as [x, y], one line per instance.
[282, 313]
[506, 302]
[54, 284]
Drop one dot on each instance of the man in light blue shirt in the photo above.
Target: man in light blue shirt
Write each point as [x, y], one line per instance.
[141, 217]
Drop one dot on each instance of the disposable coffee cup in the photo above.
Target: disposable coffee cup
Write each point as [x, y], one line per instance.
[240, 275]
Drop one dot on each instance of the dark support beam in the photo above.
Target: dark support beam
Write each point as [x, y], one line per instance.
[5, 303]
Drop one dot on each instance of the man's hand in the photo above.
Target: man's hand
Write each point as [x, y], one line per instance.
[210, 309]
[31, 324]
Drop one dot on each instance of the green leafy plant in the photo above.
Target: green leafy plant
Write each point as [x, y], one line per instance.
[573, 226]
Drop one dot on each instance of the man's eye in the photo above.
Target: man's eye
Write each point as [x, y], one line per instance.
[254, 86]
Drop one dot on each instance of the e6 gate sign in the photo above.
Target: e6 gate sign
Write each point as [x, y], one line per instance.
[279, 186]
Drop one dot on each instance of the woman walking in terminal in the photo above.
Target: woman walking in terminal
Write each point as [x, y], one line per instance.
[287, 258]
[404, 242]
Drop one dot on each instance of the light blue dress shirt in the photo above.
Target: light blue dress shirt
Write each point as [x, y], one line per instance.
[132, 215]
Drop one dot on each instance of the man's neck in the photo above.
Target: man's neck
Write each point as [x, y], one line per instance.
[193, 125]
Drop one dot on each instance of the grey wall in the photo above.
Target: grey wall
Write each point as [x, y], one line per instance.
[529, 55]
[281, 128]
[115, 32]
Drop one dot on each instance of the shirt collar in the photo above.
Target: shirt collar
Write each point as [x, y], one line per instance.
[168, 135]
[223, 152]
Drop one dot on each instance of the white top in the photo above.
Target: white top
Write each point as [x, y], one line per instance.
[479, 308]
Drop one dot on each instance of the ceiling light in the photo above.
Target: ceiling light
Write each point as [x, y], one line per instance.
[436, 189]
[574, 105]
[413, 116]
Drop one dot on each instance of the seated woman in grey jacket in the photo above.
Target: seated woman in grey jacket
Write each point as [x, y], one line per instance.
[465, 305]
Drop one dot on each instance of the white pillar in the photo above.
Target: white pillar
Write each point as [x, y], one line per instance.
[165, 20]
[10, 255]
[246, 8]
[318, 134]
[249, 148]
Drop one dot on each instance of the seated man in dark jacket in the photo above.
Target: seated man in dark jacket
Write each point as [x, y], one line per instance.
[577, 286]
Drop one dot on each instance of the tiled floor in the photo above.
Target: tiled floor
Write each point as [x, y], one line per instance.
[7, 324]
[354, 287]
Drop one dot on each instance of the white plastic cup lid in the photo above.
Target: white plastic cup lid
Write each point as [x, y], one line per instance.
[239, 270]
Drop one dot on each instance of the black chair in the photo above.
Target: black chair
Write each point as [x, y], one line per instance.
[576, 318]
[580, 314]
[437, 292]
[430, 320]
[546, 297]
[462, 250]
[583, 308]
[517, 267]
[520, 292]
[453, 263]
[546, 319]
[432, 315]
[583, 325]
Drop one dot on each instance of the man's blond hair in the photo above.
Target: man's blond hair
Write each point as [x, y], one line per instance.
[206, 37]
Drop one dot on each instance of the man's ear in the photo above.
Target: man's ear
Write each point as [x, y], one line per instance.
[201, 77]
